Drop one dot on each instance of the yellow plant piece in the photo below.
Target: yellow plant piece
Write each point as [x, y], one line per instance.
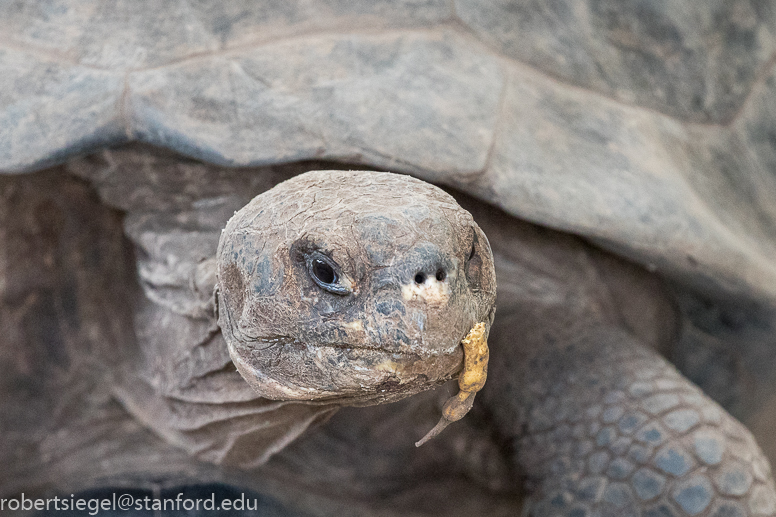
[470, 381]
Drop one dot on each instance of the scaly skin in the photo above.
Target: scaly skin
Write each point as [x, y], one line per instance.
[603, 425]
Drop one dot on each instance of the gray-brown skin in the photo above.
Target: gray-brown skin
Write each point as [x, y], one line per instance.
[351, 287]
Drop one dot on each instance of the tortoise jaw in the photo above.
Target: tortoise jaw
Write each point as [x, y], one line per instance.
[350, 374]
[412, 350]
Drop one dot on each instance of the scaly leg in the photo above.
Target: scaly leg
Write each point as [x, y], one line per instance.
[605, 426]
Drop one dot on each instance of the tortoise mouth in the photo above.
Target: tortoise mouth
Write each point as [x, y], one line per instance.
[378, 349]
[346, 373]
[416, 350]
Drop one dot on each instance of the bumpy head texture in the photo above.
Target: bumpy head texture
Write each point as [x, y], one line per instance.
[351, 287]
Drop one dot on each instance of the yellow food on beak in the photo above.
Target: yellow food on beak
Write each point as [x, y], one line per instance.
[470, 381]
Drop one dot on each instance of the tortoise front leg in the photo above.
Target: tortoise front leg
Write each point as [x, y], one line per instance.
[605, 426]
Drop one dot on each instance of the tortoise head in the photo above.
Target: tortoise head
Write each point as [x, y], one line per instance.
[354, 287]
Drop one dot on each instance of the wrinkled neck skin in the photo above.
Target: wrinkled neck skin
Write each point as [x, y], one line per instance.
[351, 288]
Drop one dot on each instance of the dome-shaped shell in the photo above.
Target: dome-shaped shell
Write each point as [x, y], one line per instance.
[644, 128]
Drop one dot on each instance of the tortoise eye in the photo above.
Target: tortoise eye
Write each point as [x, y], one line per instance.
[325, 273]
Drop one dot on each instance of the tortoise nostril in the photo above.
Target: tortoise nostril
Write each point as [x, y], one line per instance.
[420, 278]
[441, 274]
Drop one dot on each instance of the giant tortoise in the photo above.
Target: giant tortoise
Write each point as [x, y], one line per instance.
[618, 157]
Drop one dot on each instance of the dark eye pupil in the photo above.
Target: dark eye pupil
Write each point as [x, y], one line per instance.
[324, 272]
